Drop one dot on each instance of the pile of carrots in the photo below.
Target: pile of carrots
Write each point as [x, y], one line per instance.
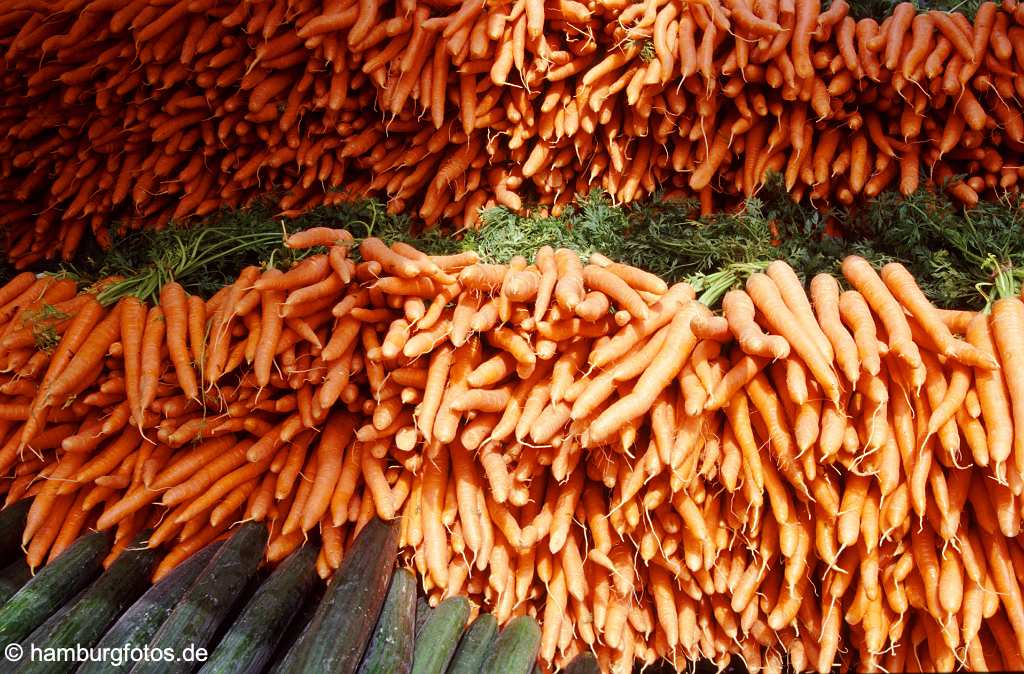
[148, 111]
[822, 476]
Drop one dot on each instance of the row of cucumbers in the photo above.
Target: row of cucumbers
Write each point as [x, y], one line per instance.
[368, 620]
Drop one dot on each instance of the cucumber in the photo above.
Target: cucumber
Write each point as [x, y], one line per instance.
[143, 618]
[334, 640]
[584, 663]
[515, 651]
[12, 523]
[49, 589]
[252, 638]
[12, 578]
[436, 643]
[83, 621]
[423, 613]
[390, 649]
[193, 622]
[474, 646]
[297, 625]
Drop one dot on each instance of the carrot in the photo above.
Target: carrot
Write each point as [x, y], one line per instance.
[860, 274]
[952, 32]
[679, 341]
[220, 490]
[48, 531]
[1006, 584]
[88, 357]
[174, 303]
[150, 363]
[826, 298]
[569, 289]
[133, 317]
[905, 289]
[271, 325]
[739, 311]
[45, 500]
[766, 297]
[612, 285]
[14, 288]
[992, 395]
[739, 375]
[1008, 321]
[373, 249]
[196, 327]
[792, 292]
[318, 236]
[435, 478]
[807, 13]
[342, 498]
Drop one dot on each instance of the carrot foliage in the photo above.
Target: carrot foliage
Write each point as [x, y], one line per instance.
[961, 258]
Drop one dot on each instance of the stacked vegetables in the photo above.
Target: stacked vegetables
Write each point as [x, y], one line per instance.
[148, 111]
[579, 442]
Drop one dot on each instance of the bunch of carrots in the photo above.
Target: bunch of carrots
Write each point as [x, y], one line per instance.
[150, 111]
[813, 476]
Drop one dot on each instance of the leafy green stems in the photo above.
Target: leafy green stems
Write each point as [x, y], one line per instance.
[962, 259]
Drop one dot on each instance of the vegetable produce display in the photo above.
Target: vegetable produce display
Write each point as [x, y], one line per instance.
[811, 475]
[253, 629]
[147, 111]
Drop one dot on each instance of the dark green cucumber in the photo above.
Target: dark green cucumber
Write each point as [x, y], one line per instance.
[423, 613]
[12, 578]
[439, 637]
[83, 621]
[51, 587]
[252, 638]
[475, 645]
[193, 622]
[584, 663]
[390, 649]
[515, 650]
[297, 626]
[334, 640]
[12, 523]
[143, 618]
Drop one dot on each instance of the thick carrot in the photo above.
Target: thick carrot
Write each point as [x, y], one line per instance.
[271, 325]
[905, 289]
[318, 236]
[679, 341]
[87, 358]
[765, 295]
[1007, 322]
[793, 295]
[336, 435]
[861, 275]
[739, 312]
[174, 301]
[150, 361]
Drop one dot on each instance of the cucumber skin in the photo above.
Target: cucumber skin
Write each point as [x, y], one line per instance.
[516, 649]
[303, 616]
[12, 523]
[84, 620]
[139, 623]
[584, 663]
[13, 578]
[250, 641]
[423, 613]
[475, 645]
[391, 647]
[194, 620]
[49, 589]
[334, 640]
[440, 636]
